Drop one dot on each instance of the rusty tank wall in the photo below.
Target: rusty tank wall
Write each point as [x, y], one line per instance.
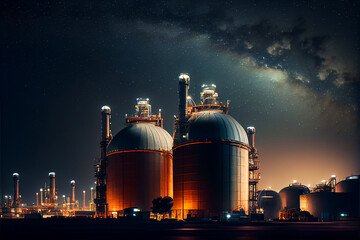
[210, 178]
[135, 178]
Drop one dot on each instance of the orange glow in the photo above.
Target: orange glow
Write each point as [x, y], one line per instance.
[136, 177]
[191, 143]
[223, 140]
[128, 151]
[198, 108]
[133, 119]
[199, 184]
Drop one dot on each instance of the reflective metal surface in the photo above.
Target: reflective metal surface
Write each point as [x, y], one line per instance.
[209, 125]
[210, 178]
[135, 178]
[142, 136]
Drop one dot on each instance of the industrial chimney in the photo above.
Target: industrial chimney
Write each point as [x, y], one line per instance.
[105, 123]
[16, 190]
[92, 194]
[41, 196]
[37, 199]
[52, 187]
[64, 201]
[184, 82]
[251, 136]
[84, 201]
[72, 200]
[101, 205]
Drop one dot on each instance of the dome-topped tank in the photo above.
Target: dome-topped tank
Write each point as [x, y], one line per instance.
[290, 196]
[211, 158]
[139, 163]
[212, 125]
[142, 136]
[269, 201]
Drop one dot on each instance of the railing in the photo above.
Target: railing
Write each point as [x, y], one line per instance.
[254, 165]
[202, 107]
[254, 177]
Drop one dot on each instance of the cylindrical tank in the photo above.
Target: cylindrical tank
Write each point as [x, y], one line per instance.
[327, 206]
[139, 167]
[16, 189]
[351, 186]
[211, 169]
[290, 196]
[52, 187]
[270, 202]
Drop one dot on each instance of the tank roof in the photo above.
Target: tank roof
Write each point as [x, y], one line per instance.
[207, 125]
[353, 177]
[142, 136]
[302, 189]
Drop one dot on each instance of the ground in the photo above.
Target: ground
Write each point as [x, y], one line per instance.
[120, 229]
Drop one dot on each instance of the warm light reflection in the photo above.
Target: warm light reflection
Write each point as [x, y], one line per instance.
[136, 177]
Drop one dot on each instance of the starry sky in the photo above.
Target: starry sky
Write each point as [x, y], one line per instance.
[290, 68]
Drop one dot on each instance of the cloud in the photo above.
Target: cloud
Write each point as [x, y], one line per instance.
[285, 46]
[278, 48]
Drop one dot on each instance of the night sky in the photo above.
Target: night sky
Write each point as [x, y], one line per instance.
[290, 68]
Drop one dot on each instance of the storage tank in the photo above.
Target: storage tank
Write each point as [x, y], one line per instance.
[290, 196]
[269, 201]
[211, 160]
[326, 206]
[139, 164]
[351, 186]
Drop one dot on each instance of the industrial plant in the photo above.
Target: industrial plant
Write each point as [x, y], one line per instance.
[207, 170]
[47, 203]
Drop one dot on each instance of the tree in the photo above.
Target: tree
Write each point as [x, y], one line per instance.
[162, 205]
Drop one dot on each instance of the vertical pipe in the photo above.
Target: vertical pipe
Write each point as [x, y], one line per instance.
[52, 187]
[16, 189]
[45, 193]
[184, 81]
[84, 202]
[6, 201]
[251, 136]
[64, 201]
[37, 199]
[72, 183]
[41, 196]
[105, 123]
[101, 206]
[92, 194]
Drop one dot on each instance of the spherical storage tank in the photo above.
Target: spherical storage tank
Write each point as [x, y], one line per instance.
[139, 167]
[290, 196]
[269, 201]
[211, 167]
